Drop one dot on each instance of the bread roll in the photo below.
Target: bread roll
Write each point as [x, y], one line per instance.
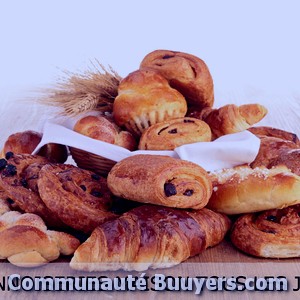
[146, 98]
[161, 180]
[186, 73]
[170, 134]
[244, 190]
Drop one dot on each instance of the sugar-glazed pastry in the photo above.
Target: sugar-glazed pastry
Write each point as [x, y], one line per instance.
[170, 134]
[146, 98]
[185, 72]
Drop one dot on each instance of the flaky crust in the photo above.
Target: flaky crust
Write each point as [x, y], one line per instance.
[186, 73]
[100, 128]
[80, 198]
[150, 237]
[146, 98]
[26, 242]
[244, 190]
[230, 118]
[161, 180]
[170, 134]
[272, 234]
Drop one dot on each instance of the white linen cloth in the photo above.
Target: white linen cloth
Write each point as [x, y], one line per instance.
[225, 152]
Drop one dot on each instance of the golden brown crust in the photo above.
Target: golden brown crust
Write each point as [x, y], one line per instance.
[160, 180]
[273, 233]
[25, 241]
[271, 148]
[262, 131]
[244, 190]
[80, 198]
[146, 98]
[150, 237]
[232, 118]
[186, 73]
[100, 128]
[170, 134]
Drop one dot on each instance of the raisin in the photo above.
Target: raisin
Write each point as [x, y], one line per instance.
[170, 189]
[167, 56]
[269, 231]
[83, 187]
[95, 177]
[272, 218]
[3, 163]
[188, 193]
[10, 201]
[96, 193]
[188, 121]
[9, 155]
[24, 182]
[172, 131]
[10, 170]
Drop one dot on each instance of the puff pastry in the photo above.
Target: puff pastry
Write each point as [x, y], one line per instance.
[161, 180]
[272, 234]
[150, 237]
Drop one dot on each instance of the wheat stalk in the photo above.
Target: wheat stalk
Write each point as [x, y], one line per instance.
[80, 92]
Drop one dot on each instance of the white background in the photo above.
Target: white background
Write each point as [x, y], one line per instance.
[252, 48]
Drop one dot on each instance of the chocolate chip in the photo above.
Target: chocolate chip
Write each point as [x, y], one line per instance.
[10, 201]
[9, 155]
[24, 182]
[272, 218]
[83, 187]
[96, 193]
[172, 131]
[170, 189]
[10, 170]
[167, 56]
[95, 177]
[188, 193]
[3, 163]
[188, 121]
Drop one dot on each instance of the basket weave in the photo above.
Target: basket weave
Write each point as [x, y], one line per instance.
[92, 162]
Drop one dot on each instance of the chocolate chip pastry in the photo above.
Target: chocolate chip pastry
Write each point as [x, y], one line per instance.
[161, 180]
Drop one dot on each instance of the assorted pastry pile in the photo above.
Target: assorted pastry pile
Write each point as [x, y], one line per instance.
[150, 211]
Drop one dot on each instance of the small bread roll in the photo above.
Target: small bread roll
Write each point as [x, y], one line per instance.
[100, 128]
[146, 98]
[170, 134]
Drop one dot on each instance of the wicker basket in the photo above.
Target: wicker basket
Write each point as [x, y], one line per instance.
[92, 162]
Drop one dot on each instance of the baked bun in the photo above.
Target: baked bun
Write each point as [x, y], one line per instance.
[168, 135]
[102, 129]
[146, 98]
[186, 73]
[25, 142]
[244, 190]
[26, 242]
[271, 234]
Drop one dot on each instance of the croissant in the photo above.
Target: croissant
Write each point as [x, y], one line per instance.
[150, 237]
[161, 180]
[245, 190]
[273, 233]
[26, 242]
[230, 118]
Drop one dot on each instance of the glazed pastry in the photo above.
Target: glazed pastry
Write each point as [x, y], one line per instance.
[79, 197]
[161, 180]
[186, 73]
[272, 234]
[271, 148]
[230, 118]
[170, 134]
[245, 190]
[25, 142]
[17, 182]
[150, 237]
[146, 98]
[26, 242]
[263, 131]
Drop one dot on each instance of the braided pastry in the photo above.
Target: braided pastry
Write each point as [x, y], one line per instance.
[273, 233]
[150, 237]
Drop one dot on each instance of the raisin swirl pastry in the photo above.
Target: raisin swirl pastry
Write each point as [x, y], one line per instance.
[170, 134]
[150, 237]
[79, 197]
[160, 180]
[185, 72]
[271, 234]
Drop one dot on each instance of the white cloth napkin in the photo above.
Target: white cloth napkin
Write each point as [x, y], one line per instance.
[225, 152]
